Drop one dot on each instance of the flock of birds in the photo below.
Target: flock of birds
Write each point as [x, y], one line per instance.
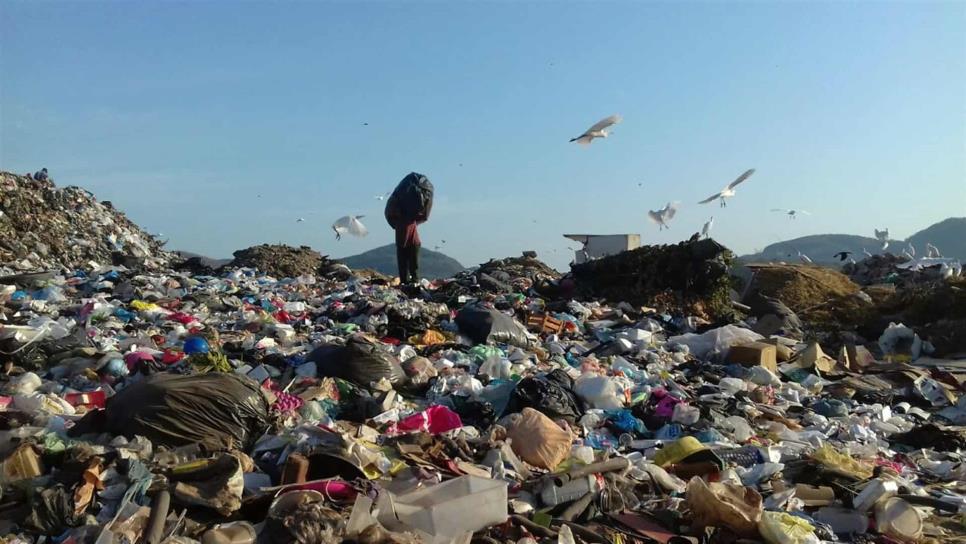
[352, 225]
[663, 216]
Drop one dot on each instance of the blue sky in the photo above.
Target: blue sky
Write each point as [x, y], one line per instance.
[219, 124]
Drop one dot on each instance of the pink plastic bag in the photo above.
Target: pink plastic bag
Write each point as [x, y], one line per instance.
[434, 420]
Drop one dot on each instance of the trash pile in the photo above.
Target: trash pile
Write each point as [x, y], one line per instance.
[279, 260]
[43, 227]
[503, 405]
[690, 276]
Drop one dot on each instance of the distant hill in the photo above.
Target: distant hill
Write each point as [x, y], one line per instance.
[949, 236]
[819, 247]
[207, 261]
[383, 259]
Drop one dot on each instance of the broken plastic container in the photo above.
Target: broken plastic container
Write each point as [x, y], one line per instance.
[873, 492]
[898, 519]
[447, 510]
[554, 494]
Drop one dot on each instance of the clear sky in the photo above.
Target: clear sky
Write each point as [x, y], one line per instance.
[220, 123]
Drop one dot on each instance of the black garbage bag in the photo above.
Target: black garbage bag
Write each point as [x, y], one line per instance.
[51, 510]
[483, 325]
[216, 409]
[411, 201]
[552, 394]
[358, 361]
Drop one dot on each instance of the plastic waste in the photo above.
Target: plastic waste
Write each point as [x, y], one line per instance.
[554, 493]
[896, 518]
[438, 513]
[537, 439]
[173, 410]
[736, 507]
[784, 528]
[599, 392]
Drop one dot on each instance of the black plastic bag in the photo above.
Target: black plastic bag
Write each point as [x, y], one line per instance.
[482, 325]
[359, 361]
[410, 202]
[217, 409]
[51, 511]
[552, 394]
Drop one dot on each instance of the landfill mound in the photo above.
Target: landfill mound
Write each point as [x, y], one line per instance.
[281, 404]
[875, 269]
[279, 260]
[690, 274]
[799, 286]
[44, 227]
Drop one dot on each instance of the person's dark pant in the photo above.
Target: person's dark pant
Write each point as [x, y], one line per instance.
[408, 260]
[407, 257]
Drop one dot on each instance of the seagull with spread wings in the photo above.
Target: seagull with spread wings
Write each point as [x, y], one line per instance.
[728, 191]
[663, 216]
[349, 224]
[599, 130]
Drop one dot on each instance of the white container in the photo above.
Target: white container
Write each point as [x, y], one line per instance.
[873, 492]
[898, 519]
[447, 510]
[553, 494]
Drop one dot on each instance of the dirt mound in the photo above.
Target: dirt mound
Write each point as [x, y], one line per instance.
[827, 301]
[279, 260]
[800, 286]
[46, 227]
[691, 274]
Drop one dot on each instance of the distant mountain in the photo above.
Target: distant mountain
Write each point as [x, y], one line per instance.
[207, 261]
[949, 236]
[383, 259]
[821, 248]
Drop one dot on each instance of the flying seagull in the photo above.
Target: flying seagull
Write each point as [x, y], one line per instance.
[599, 130]
[380, 198]
[866, 252]
[791, 213]
[804, 258]
[932, 251]
[349, 224]
[706, 229]
[728, 191]
[912, 249]
[664, 215]
[842, 255]
[300, 220]
[882, 236]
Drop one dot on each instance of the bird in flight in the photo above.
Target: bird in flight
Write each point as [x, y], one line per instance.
[932, 251]
[912, 249]
[706, 229]
[663, 216]
[866, 252]
[380, 198]
[842, 255]
[804, 258]
[599, 130]
[300, 220]
[882, 236]
[728, 191]
[349, 224]
[791, 213]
